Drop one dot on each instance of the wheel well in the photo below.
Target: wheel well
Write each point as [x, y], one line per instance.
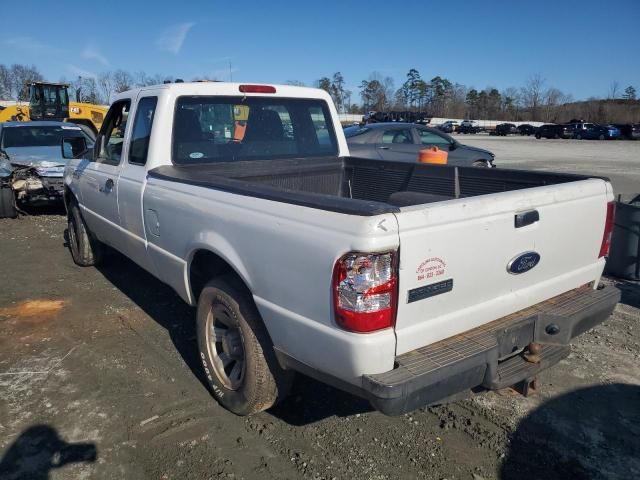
[206, 265]
[68, 197]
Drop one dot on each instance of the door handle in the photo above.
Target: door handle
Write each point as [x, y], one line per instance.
[526, 218]
[108, 186]
[383, 148]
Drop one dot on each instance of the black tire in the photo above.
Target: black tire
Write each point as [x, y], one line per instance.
[538, 136]
[85, 249]
[578, 137]
[480, 163]
[7, 202]
[228, 321]
[601, 137]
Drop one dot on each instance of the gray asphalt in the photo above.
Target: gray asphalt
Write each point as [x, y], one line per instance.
[617, 159]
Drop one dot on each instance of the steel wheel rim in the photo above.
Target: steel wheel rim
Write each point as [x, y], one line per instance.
[226, 346]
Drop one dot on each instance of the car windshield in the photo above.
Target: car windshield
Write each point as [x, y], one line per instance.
[220, 129]
[29, 136]
[355, 130]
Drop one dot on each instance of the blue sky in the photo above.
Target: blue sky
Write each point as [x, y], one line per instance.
[578, 47]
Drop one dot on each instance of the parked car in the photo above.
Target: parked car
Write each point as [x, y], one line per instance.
[37, 165]
[576, 129]
[401, 142]
[7, 197]
[592, 131]
[526, 129]
[403, 283]
[504, 129]
[552, 130]
[630, 131]
[468, 127]
[449, 126]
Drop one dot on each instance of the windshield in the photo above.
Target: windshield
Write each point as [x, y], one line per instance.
[221, 129]
[24, 136]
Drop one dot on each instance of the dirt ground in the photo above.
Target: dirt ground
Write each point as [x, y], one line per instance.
[99, 379]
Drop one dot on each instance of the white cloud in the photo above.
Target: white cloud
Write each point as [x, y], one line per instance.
[91, 52]
[76, 71]
[173, 37]
[30, 44]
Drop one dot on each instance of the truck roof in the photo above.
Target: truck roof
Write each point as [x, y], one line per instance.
[228, 89]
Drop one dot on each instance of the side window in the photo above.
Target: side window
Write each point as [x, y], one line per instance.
[139, 146]
[430, 138]
[320, 125]
[397, 136]
[111, 138]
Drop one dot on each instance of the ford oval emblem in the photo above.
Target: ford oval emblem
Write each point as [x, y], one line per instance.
[523, 263]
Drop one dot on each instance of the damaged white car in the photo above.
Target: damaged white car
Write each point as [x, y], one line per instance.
[33, 160]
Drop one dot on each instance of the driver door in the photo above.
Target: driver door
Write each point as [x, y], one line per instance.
[98, 181]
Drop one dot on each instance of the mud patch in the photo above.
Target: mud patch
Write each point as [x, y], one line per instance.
[34, 308]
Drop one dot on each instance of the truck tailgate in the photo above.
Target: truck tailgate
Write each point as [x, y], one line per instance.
[455, 256]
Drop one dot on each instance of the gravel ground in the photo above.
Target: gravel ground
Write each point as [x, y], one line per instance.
[99, 379]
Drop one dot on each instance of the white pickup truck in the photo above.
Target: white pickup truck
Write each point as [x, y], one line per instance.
[403, 283]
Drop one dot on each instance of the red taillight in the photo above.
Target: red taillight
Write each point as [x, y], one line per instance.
[608, 230]
[365, 291]
[257, 89]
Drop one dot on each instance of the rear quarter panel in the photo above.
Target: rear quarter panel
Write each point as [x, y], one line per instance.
[285, 254]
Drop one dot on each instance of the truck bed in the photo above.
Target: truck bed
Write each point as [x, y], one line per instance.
[355, 186]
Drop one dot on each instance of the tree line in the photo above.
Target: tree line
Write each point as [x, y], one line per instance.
[436, 97]
[90, 89]
[441, 97]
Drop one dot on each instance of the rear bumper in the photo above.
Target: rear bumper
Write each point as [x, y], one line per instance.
[490, 356]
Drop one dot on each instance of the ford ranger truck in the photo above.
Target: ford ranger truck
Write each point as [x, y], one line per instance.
[403, 283]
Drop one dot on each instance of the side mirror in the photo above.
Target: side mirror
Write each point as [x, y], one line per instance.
[74, 147]
[452, 146]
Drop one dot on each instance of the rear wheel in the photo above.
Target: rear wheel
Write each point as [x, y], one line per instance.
[538, 136]
[86, 250]
[236, 351]
[601, 137]
[7, 202]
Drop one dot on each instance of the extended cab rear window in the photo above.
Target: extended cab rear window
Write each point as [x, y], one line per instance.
[210, 129]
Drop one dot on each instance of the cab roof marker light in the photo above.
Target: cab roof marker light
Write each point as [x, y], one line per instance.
[257, 89]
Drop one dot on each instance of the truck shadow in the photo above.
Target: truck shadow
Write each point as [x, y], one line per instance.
[159, 302]
[630, 292]
[39, 450]
[589, 433]
[309, 400]
[53, 208]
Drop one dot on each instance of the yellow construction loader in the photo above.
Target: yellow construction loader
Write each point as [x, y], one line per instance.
[50, 101]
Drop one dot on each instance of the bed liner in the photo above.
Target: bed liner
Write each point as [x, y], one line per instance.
[355, 186]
